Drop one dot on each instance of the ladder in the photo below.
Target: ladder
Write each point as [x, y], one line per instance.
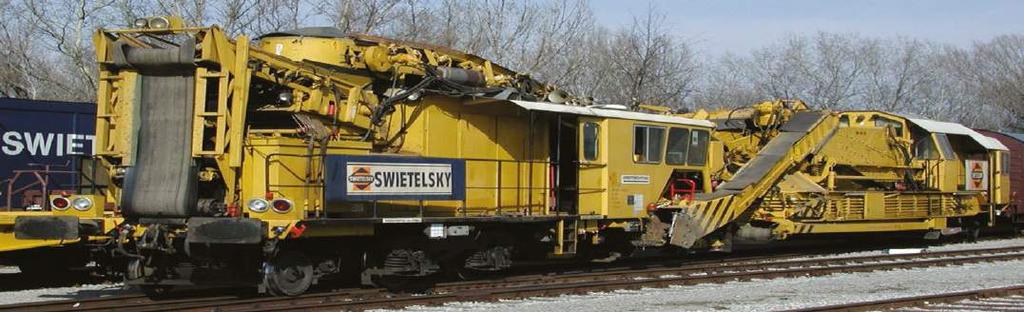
[567, 231]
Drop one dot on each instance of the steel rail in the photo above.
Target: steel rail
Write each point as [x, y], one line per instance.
[660, 275]
[944, 301]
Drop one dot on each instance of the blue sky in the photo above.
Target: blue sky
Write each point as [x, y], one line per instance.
[738, 26]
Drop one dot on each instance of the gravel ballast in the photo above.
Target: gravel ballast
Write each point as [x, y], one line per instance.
[779, 294]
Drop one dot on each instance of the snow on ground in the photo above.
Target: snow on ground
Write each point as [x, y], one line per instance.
[62, 293]
[9, 270]
[779, 294]
[994, 243]
[776, 294]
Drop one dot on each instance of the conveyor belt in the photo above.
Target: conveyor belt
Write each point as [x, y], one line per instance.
[162, 181]
[734, 198]
[774, 151]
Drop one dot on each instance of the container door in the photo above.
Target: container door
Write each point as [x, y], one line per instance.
[564, 173]
[593, 138]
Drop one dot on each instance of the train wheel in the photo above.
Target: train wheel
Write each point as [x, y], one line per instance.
[290, 273]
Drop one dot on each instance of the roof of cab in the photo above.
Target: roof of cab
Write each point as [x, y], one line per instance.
[935, 126]
[611, 113]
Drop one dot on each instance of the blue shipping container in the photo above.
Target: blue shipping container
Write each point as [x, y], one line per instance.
[35, 134]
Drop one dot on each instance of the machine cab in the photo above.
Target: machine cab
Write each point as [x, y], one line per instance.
[614, 163]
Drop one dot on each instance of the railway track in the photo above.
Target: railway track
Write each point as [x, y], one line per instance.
[990, 299]
[544, 284]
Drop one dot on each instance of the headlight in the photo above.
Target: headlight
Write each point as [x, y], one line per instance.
[60, 203]
[81, 203]
[285, 98]
[159, 22]
[282, 205]
[258, 205]
[140, 23]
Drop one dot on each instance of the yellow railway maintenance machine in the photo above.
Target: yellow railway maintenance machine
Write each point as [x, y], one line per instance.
[311, 153]
[793, 171]
[68, 236]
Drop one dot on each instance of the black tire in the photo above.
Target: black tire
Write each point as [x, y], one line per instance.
[290, 273]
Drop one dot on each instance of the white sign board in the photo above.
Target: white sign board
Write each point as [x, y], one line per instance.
[634, 179]
[399, 179]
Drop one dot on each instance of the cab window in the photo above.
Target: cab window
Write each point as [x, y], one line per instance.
[1004, 162]
[647, 144]
[882, 122]
[678, 142]
[590, 134]
[698, 155]
[924, 148]
[947, 149]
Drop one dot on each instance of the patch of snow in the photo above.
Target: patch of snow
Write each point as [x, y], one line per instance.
[994, 243]
[9, 270]
[62, 293]
[776, 294]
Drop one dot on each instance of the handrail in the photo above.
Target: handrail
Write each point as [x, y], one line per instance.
[499, 188]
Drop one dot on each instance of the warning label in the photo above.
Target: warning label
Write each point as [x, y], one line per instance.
[976, 174]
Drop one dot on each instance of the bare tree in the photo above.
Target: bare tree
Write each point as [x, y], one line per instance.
[45, 54]
[996, 71]
[725, 83]
[237, 16]
[359, 16]
[67, 27]
[644, 64]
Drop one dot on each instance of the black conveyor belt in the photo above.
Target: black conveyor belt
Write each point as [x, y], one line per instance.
[162, 181]
[791, 132]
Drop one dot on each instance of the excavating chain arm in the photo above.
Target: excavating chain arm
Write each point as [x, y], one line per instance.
[732, 201]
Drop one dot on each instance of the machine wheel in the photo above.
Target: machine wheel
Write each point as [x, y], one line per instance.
[290, 273]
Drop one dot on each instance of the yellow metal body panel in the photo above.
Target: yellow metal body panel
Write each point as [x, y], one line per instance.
[626, 176]
[9, 243]
[787, 229]
[595, 181]
[869, 147]
[99, 202]
[280, 165]
[1000, 180]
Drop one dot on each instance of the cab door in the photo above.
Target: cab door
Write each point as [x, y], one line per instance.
[593, 165]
